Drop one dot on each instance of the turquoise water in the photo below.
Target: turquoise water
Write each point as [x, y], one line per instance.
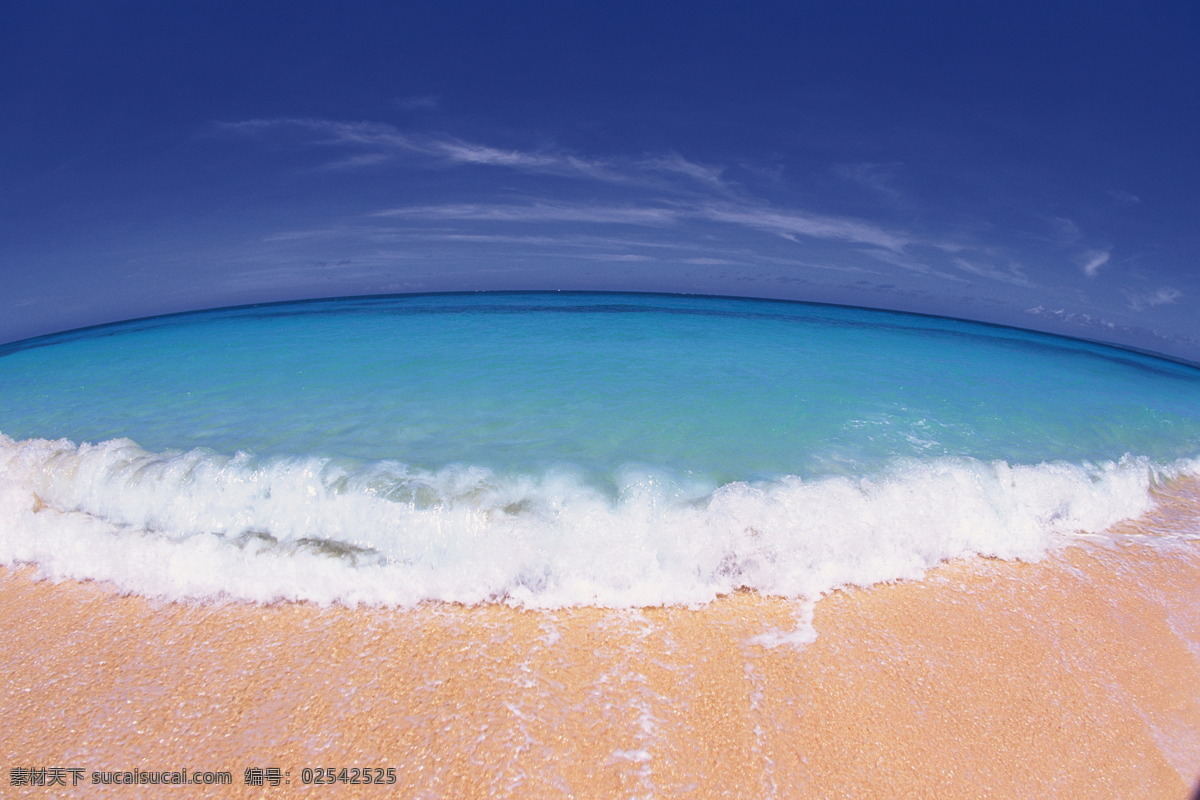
[424, 435]
[732, 389]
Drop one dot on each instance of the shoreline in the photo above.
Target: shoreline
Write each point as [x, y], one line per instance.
[1074, 676]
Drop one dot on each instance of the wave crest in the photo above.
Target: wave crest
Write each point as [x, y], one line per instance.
[202, 525]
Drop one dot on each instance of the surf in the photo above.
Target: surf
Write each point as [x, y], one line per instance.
[563, 450]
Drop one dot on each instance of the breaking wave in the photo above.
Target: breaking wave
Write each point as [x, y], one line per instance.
[201, 524]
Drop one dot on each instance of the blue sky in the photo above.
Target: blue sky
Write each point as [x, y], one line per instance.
[1032, 164]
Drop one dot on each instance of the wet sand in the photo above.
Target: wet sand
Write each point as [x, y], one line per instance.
[1075, 677]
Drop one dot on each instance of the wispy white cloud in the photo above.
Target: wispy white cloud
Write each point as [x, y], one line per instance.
[791, 223]
[711, 262]
[559, 239]
[633, 258]
[680, 247]
[1072, 317]
[1164, 295]
[383, 142]
[540, 212]
[460, 152]
[661, 190]
[673, 163]
[1123, 197]
[1064, 230]
[1013, 274]
[1093, 260]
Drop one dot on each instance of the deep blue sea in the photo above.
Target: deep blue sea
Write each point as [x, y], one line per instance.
[550, 449]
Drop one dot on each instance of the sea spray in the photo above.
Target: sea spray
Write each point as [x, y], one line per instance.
[199, 524]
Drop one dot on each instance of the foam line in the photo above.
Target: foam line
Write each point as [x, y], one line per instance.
[202, 524]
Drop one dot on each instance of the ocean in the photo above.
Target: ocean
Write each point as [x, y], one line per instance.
[550, 450]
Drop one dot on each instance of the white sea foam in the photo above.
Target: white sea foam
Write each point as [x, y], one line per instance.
[199, 524]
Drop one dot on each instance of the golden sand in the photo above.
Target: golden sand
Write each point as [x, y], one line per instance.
[1077, 677]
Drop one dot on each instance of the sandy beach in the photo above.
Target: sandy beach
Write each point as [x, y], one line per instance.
[1078, 676]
